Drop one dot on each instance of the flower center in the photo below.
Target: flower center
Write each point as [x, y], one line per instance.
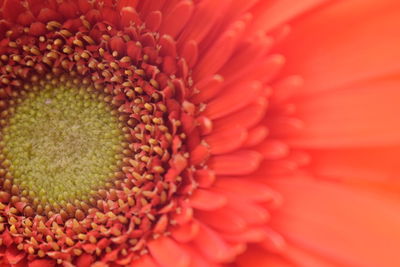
[99, 161]
[61, 143]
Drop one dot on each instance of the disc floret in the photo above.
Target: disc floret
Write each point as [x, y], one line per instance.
[61, 142]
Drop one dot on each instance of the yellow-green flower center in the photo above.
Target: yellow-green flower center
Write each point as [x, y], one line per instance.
[61, 144]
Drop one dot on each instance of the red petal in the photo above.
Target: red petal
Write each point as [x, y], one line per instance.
[205, 177]
[176, 19]
[197, 259]
[128, 15]
[84, 6]
[361, 165]
[200, 154]
[226, 140]
[206, 200]
[271, 14]
[251, 213]
[153, 20]
[118, 44]
[84, 260]
[68, 9]
[273, 149]
[168, 253]
[233, 99]
[42, 263]
[257, 256]
[212, 246]
[186, 232]
[47, 14]
[219, 53]
[245, 189]
[13, 255]
[350, 123]
[247, 55]
[224, 219]
[184, 216]
[252, 234]
[190, 52]
[342, 222]
[206, 14]
[315, 34]
[238, 163]
[26, 18]
[208, 88]
[11, 9]
[37, 28]
[247, 117]
[256, 136]
[168, 46]
[144, 261]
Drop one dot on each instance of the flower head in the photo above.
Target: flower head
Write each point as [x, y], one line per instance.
[144, 133]
[116, 120]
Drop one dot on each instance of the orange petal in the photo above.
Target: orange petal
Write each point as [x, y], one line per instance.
[13, 255]
[212, 246]
[362, 43]
[144, 261]
[293, 257]
[271, 14]
[364, 114]
[197, 259]
[247, 117]
[359, 165]
[206, 14]
[255, 136]
[273, 149]
[339, 222]
[224, 219]
[252, 234]
[247, 55]
[206, 200]
[265, 69]
[185, 233]
[168, 253]
[205, 178]
[220, 52]
[238, 163]
[175, 20]
[251, 213]
[84, 260]
[222, 142]
[42, 263]
[208, 88]
[232, 99]
[244, 189]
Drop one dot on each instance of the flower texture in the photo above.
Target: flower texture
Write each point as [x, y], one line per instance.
[179, 133]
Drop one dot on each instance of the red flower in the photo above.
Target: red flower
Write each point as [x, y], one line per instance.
[166, 133]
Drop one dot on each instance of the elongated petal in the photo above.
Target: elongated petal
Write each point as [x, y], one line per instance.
[340, 222]
[365, 114]
[207, 200]
[168, 253]
[217, 249]
[326, 42]
[374, 167]
[236, 163]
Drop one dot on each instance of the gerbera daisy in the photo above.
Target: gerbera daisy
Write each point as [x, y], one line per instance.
[162, 133]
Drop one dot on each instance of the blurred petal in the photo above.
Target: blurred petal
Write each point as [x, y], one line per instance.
[365, 114]
[273, 13]
[375, 164]
[339, 222]
[345, 42]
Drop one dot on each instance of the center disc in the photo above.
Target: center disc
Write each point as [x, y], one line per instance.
[61, 143]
